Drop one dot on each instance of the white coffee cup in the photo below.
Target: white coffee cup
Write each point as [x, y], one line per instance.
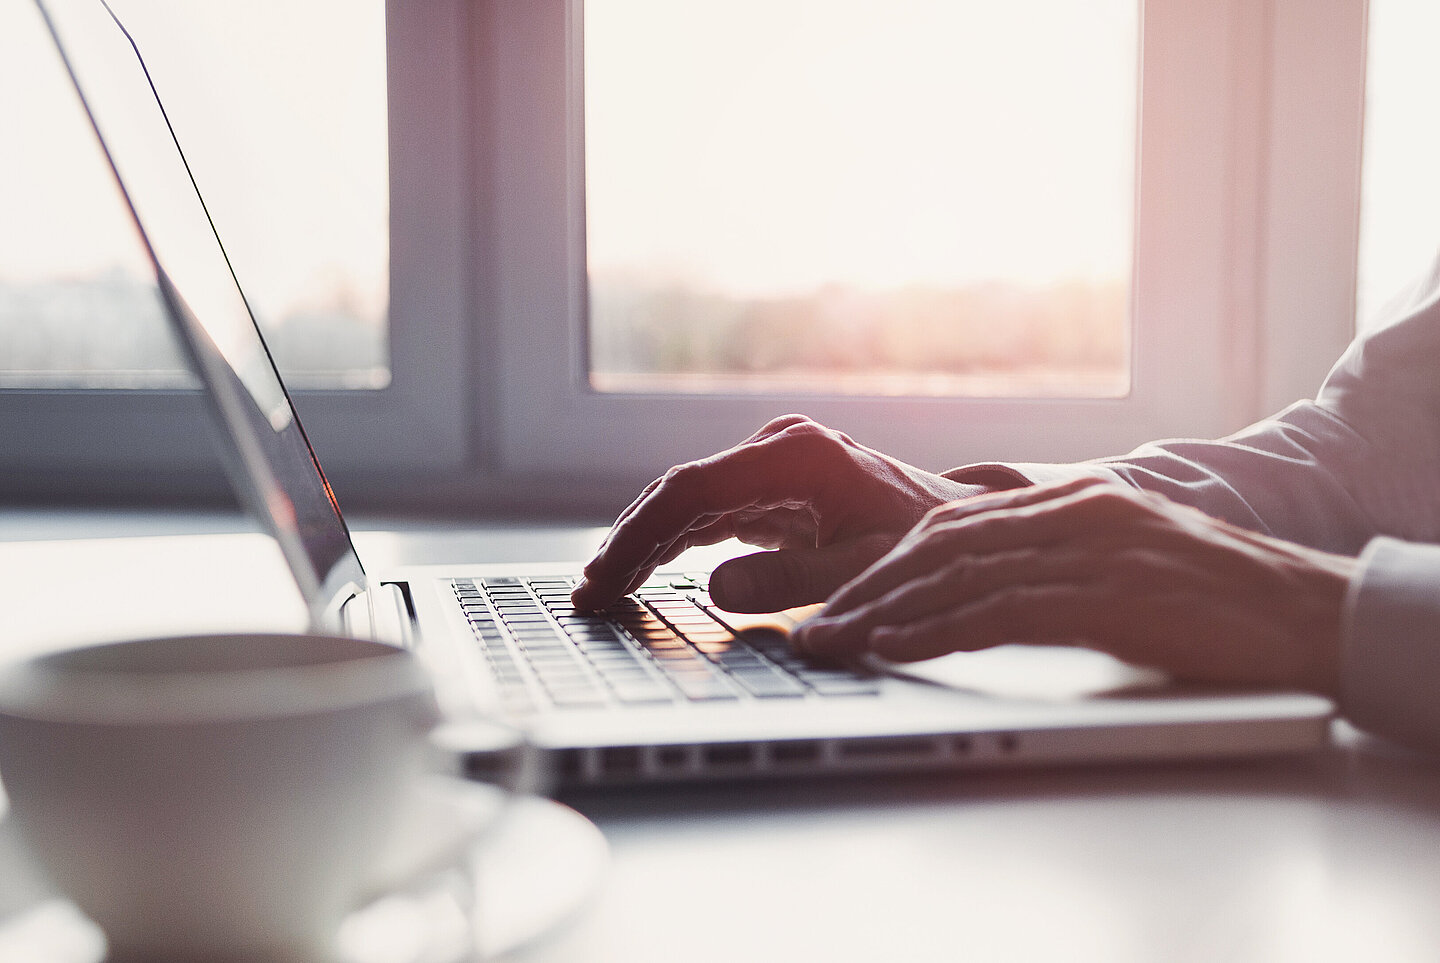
[214, 797]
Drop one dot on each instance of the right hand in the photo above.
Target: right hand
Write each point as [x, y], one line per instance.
[827, 506]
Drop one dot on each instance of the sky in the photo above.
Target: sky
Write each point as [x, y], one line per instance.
[771, 148]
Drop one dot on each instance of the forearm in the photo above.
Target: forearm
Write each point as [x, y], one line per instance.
[1361, 460]
[1285, 477]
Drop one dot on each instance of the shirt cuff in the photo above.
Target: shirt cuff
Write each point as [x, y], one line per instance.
[1390, 657]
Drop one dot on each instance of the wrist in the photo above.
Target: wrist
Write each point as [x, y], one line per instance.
[1320, 621]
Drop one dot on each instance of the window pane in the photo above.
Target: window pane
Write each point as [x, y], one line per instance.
[281, 109]
[883, 197]
[1400, 207]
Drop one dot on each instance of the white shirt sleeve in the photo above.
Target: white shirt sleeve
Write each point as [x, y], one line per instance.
[1390, 655]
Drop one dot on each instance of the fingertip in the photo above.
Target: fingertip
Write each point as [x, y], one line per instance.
[593, 591]
[731, 588]
[799, 638]
[582, 595]
[820, 638]
[883, 640]
[896, 643]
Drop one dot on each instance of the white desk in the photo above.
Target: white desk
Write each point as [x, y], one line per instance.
[1335, 857]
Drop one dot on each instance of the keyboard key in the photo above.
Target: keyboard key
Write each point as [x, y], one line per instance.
[533, 630]
[676, 655]
[736, 659]
[578, 700]
[772, 686]
[604, 647]
[846, 687]
[613, 660]
[566, 677]
[579, 624]
[704, 690]
[550, 661]
[659, 647]
[716, 636]
[615, 675]
[687, 671]
[811, 673]
[641, 693]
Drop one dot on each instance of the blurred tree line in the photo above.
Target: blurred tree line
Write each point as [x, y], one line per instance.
[989, 328]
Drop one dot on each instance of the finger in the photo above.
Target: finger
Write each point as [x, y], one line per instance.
[707, 535]
[1011, 498]
[788, 578]
[1055, 494]
[772, 427]
[1029, 614]
[932, 593]
[1031, 519]
[629, 510]
[1054, 598]
[599, 586]
[940, 536]
[762, 475]
[765, 528]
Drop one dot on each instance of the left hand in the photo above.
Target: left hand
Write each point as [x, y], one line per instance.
[1103, 566]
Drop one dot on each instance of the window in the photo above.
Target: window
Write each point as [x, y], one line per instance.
[1400, 215]
[321, 297]
[927, 197]
[1247, 144]
[1221, 273]
[282, 110]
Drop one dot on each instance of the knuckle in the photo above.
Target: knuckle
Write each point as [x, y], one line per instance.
[784, 422]
[1111, 499]
[948, 512]
[812, 439]
[683, 476]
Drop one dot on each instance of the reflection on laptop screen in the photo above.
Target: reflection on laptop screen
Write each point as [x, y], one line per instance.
[262, 442]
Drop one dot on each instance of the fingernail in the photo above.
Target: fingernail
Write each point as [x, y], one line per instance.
[805, 635]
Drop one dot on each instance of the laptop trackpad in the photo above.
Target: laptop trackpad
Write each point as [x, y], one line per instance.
[1043, 673]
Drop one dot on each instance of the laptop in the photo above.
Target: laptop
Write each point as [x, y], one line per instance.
[663, 686]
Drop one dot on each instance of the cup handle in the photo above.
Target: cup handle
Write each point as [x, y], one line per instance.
[449, 809]
[24, 884]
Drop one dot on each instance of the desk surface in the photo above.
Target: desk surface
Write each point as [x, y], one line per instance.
[1329, 857]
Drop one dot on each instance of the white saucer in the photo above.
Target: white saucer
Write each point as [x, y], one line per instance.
[518, 877]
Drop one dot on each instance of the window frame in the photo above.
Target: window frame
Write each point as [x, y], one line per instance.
[152, 442]
[1246, 222]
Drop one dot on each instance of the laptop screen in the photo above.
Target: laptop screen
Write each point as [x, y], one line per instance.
[264, 447]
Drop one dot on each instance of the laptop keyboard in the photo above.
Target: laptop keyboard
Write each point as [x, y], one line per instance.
[667, 643]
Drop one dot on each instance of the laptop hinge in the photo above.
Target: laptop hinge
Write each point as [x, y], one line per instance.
[390, 615]
[380, 613]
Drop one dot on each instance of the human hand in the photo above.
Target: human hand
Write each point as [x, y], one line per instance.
[828, 506]
[1103, 566]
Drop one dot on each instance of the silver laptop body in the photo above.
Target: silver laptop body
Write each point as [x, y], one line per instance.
[626, 700]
